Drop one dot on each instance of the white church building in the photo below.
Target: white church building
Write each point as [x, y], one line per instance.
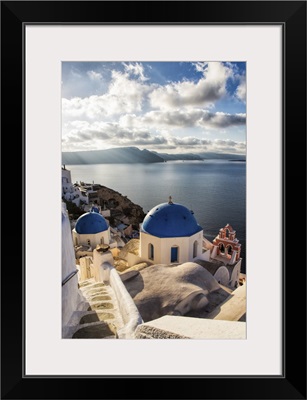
[91, 229]
[170, 234]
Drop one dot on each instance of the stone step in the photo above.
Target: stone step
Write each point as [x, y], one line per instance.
[98, 330]
[98, 305]
[99, 297]
[99, 317]
[92, 286]
[86, 282]
[91, 317]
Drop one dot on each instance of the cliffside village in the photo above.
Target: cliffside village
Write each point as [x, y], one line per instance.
[130, 275]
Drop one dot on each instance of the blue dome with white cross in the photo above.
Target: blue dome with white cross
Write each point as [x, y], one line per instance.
[170, 220]
[91, 223]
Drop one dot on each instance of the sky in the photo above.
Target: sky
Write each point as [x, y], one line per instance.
[168, 107]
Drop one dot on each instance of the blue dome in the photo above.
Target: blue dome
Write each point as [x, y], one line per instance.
[91, 223]
[170, 220]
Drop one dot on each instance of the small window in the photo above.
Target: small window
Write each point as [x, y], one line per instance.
[174, 254]
[195, 247]
[88, 242]
[151, 251]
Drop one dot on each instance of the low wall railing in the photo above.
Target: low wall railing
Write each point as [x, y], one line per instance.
[68, 277]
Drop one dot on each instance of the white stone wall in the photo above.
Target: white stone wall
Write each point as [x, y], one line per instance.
[234, 280]
[204, 256]
[82, 239]
[85, 268]
[71, 296]
[133, 259]
[104, 271]
[68, 188]
[222, 276]
[66, 175]
[199, 238]
[129, 312]
[100, 258]
[162, 247]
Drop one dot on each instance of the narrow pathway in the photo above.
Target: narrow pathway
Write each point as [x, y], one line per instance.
[102, 319]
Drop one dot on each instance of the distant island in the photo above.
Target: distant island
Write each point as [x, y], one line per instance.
[133, 155]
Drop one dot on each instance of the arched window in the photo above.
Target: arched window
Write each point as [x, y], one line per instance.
[174, 254]
[151, 253]
[76, 241]
[195, 247]
[102, 240]
[229, 249]
[222, 248]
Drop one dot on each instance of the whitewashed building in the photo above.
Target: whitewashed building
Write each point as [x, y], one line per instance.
[91, 229]
[72, 192]
[71, 297]
[170, 234]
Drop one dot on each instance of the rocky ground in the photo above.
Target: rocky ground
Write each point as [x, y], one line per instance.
[122, 208]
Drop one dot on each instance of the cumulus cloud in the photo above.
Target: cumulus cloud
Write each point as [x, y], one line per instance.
[109, 133]
[177, 118]
[113, 134]
[222, 120]
[128, 109]
[183, 119]
[210, 88]
[200, 66]
[177, 101]
[241, 89]
[124, 95]
[128, 94]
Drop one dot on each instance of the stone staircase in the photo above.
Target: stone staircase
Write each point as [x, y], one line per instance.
[99, 317]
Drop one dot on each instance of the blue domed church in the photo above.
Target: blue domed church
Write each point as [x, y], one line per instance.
[91, 229]
[170, 234]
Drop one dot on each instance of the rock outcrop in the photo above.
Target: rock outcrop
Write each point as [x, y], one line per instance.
[122, 208]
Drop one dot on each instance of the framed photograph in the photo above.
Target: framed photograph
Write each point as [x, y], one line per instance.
[130, 115]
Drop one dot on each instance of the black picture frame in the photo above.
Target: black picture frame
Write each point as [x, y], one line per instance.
[292, 16]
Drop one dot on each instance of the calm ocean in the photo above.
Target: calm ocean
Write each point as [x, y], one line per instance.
[214, 189]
